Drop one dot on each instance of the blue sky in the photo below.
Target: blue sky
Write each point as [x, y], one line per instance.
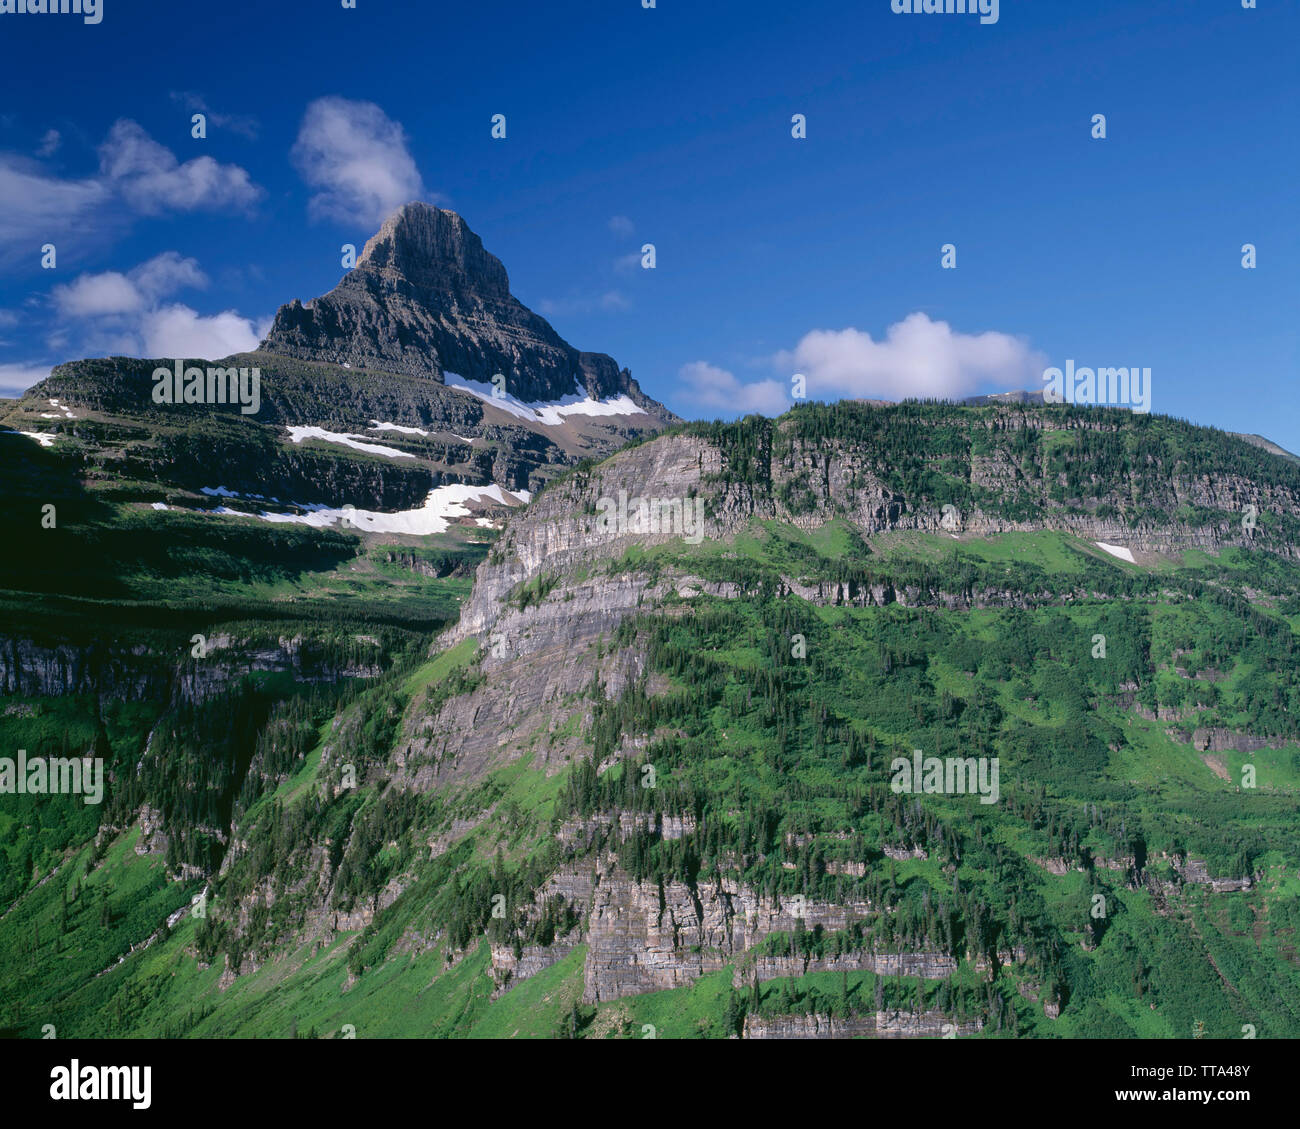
[673, 126]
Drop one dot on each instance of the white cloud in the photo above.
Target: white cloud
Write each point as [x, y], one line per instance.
[918, 358]
[98, 295]
[134, 171]
[42, 209]
[621, 225]
[178, 331]
[166, 273]
[16, 379]
[124, 314]
[357, 157]
[152, 180]
[711, 387]
[50, 143]
[109, 293]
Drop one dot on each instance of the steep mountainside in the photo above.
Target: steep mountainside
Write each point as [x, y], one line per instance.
[650, 776]
[426, 299]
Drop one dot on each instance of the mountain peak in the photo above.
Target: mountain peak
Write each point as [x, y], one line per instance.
[426, 299]
[432, 247]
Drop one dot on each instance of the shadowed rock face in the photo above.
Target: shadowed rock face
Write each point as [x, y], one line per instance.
[425, 299]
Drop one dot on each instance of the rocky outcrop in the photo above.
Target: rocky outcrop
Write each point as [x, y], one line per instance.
[1219, 740]
[642, 938]
[880, 1025]
[926, 965]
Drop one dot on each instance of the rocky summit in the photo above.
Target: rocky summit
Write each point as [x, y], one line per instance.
[426, 299]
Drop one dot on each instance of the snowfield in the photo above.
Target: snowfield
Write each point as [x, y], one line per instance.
[550, 414]
[442, 505]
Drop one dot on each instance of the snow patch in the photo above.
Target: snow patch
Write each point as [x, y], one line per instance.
[298, 434]
[552, 413]
[375, 425]
[442, 504]
[222, 492]
[41, 437]
[1117, 551]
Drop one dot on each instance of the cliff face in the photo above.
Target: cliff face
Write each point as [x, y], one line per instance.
[808, 484]
[557, 587]
[425, 299]
[31, 668]
[881, 1025]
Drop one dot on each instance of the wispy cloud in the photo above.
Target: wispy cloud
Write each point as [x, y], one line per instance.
[40, 208]
[357, 158]
[245, 126]
[608, 301]
[715, 389]
[136, 175]
[629, 263]
[16, 379]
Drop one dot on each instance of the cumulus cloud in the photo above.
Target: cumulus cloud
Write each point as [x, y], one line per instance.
[178, 331]
[713, 388]
[98, 295]
[110, 292]
[152, 180]
[357, 158]
[114, 313]
[917, 358]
